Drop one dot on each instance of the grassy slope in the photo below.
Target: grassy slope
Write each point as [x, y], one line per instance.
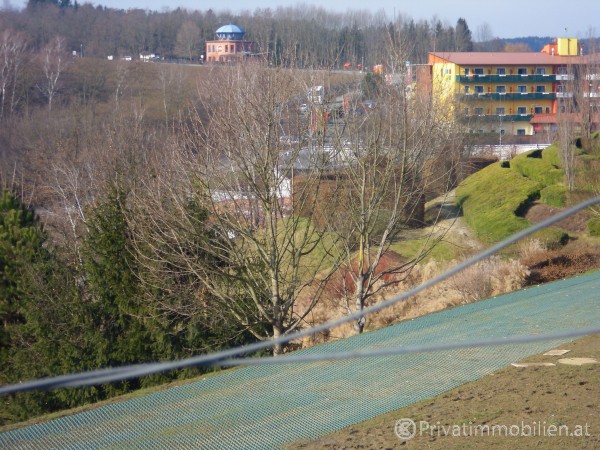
[490, 199]
[494, 198]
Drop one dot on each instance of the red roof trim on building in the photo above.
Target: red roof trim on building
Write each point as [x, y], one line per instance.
[510, 58]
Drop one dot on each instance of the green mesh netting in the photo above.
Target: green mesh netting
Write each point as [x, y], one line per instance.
[268, 406]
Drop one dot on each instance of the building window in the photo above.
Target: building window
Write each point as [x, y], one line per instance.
[500, 71]
[560, 88]
[547, 110]
[522, 89]
[521, 132]
[478, 89]
[540, 71]
[562, 70]
[467, 70]
[501, 89]
[500, 111]
[478, 71]
[467, 89]
[479, 111]
[522, 70]
[538, 110]
[522, 110]
[540, 89]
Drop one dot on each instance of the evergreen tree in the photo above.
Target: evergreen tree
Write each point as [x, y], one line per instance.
[27, 348]
[111, 277]
[463, 38]
[21, 240]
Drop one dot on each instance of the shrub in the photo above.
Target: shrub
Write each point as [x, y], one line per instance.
[563, 263]
[531, 247]
[555, 195]
[541, 169]
[552, 238]
[593, 226]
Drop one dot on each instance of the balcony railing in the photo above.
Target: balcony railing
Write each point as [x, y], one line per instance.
[509, 96]
[564, 77]
[507, 78]
[505, 118]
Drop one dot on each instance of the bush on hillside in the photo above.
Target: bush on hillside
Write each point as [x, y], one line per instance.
[562, 263]
[593, 226]
[539, 167]
[555, 195]
[551, 238]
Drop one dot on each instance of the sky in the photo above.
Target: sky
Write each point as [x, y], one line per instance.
[506, 18]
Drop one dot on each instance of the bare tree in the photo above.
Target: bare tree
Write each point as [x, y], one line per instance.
[188, 40]
[393, 156]
[171, 79]
[228, 213]
[578, 110]
[13, 52]
[53, 58]
[484, 33]
[121, 77]
[566, 134]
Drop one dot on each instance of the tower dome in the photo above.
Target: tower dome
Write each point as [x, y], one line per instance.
[230, 32]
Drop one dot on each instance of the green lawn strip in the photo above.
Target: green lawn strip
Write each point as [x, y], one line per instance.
[412, 248]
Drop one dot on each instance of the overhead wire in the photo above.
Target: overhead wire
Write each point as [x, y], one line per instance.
[225, 357]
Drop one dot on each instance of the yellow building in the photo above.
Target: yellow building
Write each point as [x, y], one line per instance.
[504, 91]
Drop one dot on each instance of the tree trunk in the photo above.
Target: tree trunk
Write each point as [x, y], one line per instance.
[359, 325]
[277, 333]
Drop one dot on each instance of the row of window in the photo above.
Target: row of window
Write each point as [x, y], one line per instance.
[501, 89]
[227, 48]
[502, 71]
[520, 131]
[501, 111]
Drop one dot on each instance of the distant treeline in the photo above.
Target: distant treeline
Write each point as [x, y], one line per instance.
[305, 36]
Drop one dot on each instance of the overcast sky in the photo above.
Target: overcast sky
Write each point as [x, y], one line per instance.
[506, 18]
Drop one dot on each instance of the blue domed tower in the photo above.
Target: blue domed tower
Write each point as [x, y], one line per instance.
[230, 32]
[229, 46]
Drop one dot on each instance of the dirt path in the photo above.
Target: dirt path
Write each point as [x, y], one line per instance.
[447, 218]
